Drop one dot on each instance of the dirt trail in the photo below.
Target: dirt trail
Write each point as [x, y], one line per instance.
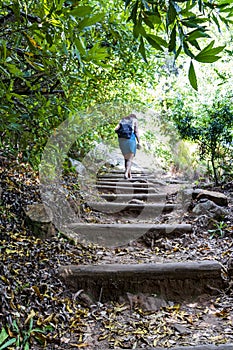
[201, 319]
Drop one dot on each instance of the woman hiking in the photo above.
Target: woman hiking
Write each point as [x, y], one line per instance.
[129, 140]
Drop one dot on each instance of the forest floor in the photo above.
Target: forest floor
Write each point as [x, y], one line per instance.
[37, 309]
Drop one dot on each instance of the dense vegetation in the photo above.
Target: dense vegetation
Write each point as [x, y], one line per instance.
[61, 59]
[77, 66]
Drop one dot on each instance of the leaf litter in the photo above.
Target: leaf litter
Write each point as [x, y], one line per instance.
[38, 311]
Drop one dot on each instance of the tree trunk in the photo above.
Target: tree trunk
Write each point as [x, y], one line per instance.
[214, 170]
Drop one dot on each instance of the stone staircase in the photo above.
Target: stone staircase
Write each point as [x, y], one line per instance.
[137, 205]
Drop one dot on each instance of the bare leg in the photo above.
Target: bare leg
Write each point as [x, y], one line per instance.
[126, 172]
[128, 164]
[128, 168]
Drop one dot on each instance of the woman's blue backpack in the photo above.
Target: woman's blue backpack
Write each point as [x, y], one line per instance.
[125, 131]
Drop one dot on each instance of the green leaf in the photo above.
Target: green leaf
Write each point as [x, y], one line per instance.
[8, 343]
[13, 69]
[49, 39]
[158, 39]
[214, 18]
[81, 11]
[26, 346]
[142, 49]
[195, 44]
[200, 5]
[3, 49]
[187, 50]
[138, 29]
[3, 335]
[147, 21]
[190, 23]
[178, 52]
[171, 14]
[5, 71]
[208, 54]
[155, 18]
[195, 34]
[207, 58]
[208, 47]
[16, 10]
[192, 76]
[87, 22]
[172, 42]
[133, 14]
[15, 326]
[80, 46]
[96, 53]
[38, 330]
[153, 43]
[216, 50]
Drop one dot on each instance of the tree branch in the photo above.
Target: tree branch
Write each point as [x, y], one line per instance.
[11, 14]
[34, 92]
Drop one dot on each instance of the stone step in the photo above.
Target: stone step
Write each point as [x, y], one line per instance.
[145, 210]
[125, 197]
[177, 181]
[125, 189]
[197, 347]
[135, 172]
[115, 177]
[114, 235]
[138, 180]
[176, 281]
[144, 177]
[153, 181]
[125, 183]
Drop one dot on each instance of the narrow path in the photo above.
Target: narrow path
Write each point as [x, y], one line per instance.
[140, 210]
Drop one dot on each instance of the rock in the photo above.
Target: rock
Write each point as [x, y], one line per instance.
[216, 197]
[146, 302]
[142, 283]
[39, 218]
[84, 298]
[79, 167]
[135, 201]
[182, 329]
[186, 197]
[187, 193]
[230, 267]
[211, 209]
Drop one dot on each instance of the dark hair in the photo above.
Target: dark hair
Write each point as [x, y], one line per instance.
[132, 116]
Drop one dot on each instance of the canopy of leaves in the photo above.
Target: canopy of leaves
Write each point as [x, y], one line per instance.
[57, 58]
[179, 27]
[60, 57]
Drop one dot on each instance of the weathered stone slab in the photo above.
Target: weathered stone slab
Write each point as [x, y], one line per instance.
[113, 235]
[135, 172]
[39, 218]
[148, 210]
[216, 197]
[125, 189]
[117, 177]
[197, 347]
[125, 197]
[210, 209]
[171, 281]
[125, 183]
[121, 179]
[152, 181]
[177, 181]
[133, 179]
[194, 347]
